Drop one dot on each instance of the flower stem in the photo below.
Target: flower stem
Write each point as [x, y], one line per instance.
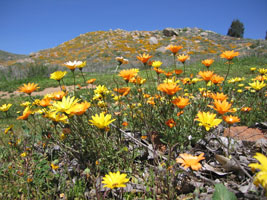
[227, 73]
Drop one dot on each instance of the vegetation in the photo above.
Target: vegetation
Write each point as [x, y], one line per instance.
[236, 29]
[135, 134]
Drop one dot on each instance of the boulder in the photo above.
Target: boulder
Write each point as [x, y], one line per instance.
[153, 40]
[169, 32]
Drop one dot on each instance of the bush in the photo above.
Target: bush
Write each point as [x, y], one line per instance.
[236, 29]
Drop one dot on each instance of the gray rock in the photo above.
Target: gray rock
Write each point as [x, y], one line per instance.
[161, 49]
[169, 32]
[153, 40]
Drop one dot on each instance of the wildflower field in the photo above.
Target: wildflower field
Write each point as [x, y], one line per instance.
[153, 132]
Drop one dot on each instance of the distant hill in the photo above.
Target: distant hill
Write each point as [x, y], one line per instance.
[100, 48]
[8, 58]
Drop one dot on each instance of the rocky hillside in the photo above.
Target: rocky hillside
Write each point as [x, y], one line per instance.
[7, 58]
[100, 48]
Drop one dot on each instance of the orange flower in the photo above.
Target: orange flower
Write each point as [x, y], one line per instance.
[182, 58]
[181, 102]
[144, 58]
[168, 74]
[158, 70]
[231, 119]
[168, 88]
[138, 80]
[218, 96]
[178, 71]
[79, 108]
[170, 123]
[207, 62]
[128, 74]
[45, 102]
[25, 114]
[124, 123]
[221, 107]
[229, 55]
[173, 48]
[123, 91]
[206, 75]
[246, 109]
[91, 81]
[28, 88]
[216, 79]
[58, 95]
[188, 160]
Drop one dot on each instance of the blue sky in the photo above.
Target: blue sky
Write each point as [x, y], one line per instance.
[31, 25]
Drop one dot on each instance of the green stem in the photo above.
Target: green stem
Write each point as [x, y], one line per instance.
[226, 73]
[73, 81]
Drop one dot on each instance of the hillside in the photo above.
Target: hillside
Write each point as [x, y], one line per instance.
[7, 58]
[100, 48]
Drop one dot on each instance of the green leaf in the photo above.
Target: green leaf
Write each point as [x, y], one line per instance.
[222, 193]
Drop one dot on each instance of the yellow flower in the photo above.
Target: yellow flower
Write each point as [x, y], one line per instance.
[261, 176]
[28, 88]
[81, 64]
[115, 180]
[182, 58]
[189, 160]
[229, 55]
[56, 117]
[25, 104]
[5, 107]
[54, 167]
[24, 154]
[253, 69]
[262, 71]
[156, 64]
[58, 75]
[101, 121]
[236, 79]
[65, 105]
[8, 129]
[102, 90]
[207, 120]
[257, 85]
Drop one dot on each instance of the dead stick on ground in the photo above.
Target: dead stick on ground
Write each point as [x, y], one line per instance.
[136, 141]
